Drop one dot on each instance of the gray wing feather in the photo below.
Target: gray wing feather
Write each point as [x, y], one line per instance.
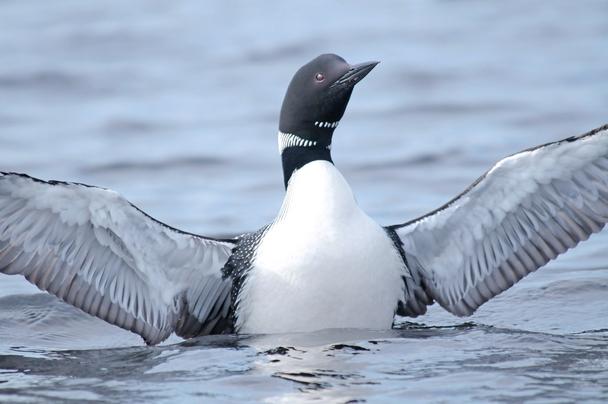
[93, 249]
[528, 209]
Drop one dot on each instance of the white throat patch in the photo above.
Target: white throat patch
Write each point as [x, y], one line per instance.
[327, 124]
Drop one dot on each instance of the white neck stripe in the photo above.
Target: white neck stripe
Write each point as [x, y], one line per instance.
[290, 140]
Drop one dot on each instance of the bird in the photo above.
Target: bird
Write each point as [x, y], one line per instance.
[322, 262]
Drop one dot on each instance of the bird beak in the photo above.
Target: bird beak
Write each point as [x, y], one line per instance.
[355, 74]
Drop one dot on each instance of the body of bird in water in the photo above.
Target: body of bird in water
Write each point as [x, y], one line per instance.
[322, 263]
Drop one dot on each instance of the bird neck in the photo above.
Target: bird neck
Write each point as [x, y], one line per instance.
[297, 151]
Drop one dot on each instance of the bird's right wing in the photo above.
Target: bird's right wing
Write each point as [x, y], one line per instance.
[92, 248]
[525, 211]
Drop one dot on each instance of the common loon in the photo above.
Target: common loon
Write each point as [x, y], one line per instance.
[322, 263]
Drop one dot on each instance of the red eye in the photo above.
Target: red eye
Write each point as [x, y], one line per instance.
[320, 77]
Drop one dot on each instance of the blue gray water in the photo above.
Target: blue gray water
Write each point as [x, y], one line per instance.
[175, 104]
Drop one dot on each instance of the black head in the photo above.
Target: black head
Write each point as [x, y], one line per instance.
[318, 95]
[313, 105]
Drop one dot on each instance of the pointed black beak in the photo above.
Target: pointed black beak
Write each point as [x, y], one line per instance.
[355, 74]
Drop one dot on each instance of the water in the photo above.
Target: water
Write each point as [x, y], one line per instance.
[175, 105]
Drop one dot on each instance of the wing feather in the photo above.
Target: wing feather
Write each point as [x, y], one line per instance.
[528, 209]
[95, 250]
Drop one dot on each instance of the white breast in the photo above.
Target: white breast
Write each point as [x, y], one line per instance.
[323, 263]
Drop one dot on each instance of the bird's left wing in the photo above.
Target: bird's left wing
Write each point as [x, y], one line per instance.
[529, 208]
[95, 250]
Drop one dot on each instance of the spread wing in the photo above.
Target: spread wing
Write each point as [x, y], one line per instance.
[524, 212]
[92, 248]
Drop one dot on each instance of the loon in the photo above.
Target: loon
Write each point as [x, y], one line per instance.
[322, 262]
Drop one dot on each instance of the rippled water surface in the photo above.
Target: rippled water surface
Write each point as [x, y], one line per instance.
[175, 105]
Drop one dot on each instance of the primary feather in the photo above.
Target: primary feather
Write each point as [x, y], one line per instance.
[529, 208]
[95, 250]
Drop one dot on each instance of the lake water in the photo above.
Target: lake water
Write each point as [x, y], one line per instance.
[175, 105]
